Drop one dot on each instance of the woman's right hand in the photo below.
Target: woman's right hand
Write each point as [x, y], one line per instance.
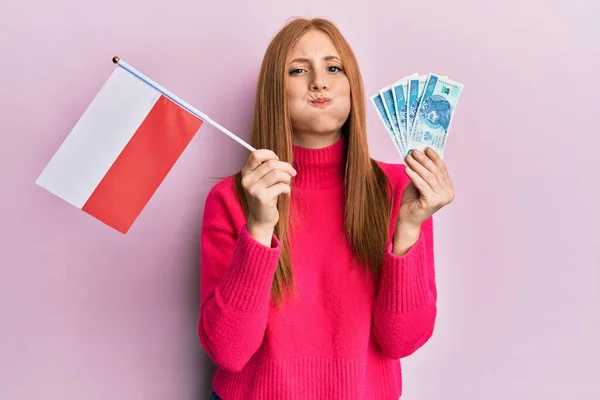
[264, 178]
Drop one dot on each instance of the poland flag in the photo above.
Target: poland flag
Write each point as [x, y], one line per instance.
[120, 150]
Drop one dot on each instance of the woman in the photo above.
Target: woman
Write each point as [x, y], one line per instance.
[317, 261]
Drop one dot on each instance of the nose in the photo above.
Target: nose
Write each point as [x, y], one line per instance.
[318, 82]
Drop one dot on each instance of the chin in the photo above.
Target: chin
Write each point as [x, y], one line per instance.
[325, 125]
[318, 122]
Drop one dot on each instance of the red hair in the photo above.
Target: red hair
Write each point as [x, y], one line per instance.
[368, 203]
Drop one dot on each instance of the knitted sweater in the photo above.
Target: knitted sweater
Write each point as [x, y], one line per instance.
[337, 340]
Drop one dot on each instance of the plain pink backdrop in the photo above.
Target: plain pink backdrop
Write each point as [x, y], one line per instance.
[87, 313]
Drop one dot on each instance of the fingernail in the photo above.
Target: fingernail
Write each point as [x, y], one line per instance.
[418, 152]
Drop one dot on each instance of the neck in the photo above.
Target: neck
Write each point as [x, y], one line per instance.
[315, 141]
[323, 167]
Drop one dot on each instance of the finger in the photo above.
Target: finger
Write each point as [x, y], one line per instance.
[270, 165]
[278, 189]
[448, 193]
[257, 158]
[437, 160]
[432, 167]
[421, 185]
[275, 176]
[253, 177]
[426, 175]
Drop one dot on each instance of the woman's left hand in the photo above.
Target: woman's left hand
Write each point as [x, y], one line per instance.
[430, 189]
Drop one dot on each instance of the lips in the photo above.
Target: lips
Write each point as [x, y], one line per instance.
[321, 102]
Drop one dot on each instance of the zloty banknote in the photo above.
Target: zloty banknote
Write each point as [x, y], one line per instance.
[416, 86]
[434, 114]
[390, 111]
[400, 95]
[377, 101]
[415, 91]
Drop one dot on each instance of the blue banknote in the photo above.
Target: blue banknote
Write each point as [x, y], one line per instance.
[398, 108]
[378, 103]
[434, 114]
[399, 93]
[415, 92]
[388, 104]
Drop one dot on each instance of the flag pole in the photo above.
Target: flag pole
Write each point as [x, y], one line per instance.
[180, 102]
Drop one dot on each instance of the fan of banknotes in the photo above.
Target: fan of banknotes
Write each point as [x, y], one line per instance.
[417, 111]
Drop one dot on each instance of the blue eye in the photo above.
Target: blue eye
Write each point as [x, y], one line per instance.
[335, 68]
[295, 71]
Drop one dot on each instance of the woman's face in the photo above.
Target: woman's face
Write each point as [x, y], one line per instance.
[317, 89]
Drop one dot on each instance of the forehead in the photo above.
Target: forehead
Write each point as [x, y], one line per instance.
[314, 44]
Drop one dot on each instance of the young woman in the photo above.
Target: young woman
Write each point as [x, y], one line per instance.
[317, 261]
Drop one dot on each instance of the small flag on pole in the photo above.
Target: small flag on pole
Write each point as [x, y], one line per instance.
[122, 148]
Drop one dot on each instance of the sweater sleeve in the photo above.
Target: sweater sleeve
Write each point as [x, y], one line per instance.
[405, 309]
[236, 277]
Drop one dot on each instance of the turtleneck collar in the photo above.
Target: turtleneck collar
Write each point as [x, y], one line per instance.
[320, 168]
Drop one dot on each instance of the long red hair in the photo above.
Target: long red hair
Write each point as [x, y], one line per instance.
[367, 189]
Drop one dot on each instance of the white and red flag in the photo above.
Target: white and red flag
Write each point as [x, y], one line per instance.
[121, 149]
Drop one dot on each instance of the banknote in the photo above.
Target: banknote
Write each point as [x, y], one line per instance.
[398, 108]
[390, 111]
[416, 86]
[434, 114]
[415, 91]
[399, 93]
[378, 103]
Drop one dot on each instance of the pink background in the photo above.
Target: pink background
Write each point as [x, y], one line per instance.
[87, 313]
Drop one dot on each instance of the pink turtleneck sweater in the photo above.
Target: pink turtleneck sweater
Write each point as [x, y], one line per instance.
[337, 341]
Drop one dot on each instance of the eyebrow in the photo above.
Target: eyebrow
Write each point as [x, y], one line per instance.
[307, 61]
